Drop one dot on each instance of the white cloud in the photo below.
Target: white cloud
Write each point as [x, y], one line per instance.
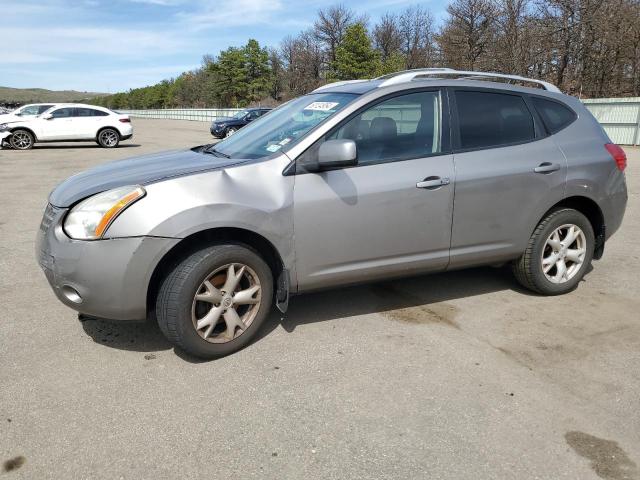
[107, 42]
[164, 3]
[13, 57]
[234, 14]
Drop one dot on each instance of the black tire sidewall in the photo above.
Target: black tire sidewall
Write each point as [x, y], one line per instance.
[22, 131]
[561, 217]
[191, 277]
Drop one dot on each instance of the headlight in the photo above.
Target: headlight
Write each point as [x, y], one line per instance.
[90, 218]
[4, 126]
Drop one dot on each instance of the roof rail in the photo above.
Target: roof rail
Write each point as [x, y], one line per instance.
[337, 84]
[408, 75]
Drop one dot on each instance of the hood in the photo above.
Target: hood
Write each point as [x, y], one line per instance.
[223, 119]
[136, 171]
[9, 118]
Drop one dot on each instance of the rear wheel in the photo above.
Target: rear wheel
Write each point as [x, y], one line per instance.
[214, 302]
[558, 255]
[21, 140]
[108, 138]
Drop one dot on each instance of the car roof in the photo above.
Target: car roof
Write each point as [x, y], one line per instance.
[363, 87]
[80, 105]
[38, 104]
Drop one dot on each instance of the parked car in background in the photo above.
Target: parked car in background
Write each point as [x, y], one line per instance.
[26, 112]
[68, 123]
[226, 126]
[405, 174]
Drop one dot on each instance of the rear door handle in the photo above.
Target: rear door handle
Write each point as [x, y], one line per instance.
[431, 183]
[547, 167]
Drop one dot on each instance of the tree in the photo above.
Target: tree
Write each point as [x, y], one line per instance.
[258, 71]
[468, 34]
[388, 37]
[331, 26]
[230, 77]
[278, 74]
[302, 58]
[355, 57]
[416, 33]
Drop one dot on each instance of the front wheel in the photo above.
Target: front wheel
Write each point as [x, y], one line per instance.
[558, 254]
[21, 140]
[214, 301]
[230, 131]
[108, 138]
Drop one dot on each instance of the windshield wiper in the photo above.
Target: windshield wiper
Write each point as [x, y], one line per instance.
[217, 153]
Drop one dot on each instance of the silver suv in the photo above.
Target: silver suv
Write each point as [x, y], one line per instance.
[420, 171]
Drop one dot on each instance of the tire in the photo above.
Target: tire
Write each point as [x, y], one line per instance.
[180, 313]
[21, 140]
[548, 251]
[108, 138]
[230, 131]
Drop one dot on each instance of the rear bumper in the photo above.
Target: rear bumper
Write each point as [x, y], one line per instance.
[613, 208]
[102, 278]
[126, 137]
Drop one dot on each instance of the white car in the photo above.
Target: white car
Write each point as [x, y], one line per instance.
[26, 111]
[69, 123]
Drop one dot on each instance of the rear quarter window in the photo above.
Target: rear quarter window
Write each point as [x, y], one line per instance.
[555, 115]
[488, 119]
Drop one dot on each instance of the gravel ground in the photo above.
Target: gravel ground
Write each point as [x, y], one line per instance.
[457, 375]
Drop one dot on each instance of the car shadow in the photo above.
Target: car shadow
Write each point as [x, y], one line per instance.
[381, 297]
[82, 145]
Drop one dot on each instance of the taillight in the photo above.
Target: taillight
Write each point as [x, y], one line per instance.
[618, 155]
[125, 120]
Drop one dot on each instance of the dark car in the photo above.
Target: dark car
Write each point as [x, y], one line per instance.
[226, 126]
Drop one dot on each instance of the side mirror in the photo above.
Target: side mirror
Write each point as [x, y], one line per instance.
[334, 154]
[47, 116]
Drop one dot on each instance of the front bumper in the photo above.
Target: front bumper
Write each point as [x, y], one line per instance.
[4, 135]
[217, 131]
[110, 276]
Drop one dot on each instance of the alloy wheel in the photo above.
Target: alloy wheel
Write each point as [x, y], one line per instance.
[230, 132]
[564, 253]
[226, 303]
[21, 140]
[109, 138]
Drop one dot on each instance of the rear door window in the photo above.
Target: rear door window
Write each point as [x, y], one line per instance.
[62, 113]
[488, 119]
[554, 115]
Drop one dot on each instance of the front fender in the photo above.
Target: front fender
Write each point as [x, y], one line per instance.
[254, 197]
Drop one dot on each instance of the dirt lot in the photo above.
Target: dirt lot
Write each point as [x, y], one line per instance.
[458, 375]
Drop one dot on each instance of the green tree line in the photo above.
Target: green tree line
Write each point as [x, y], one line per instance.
[589, 48]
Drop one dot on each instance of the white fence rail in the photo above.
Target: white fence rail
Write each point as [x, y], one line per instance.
[620, 117]
[194, 114]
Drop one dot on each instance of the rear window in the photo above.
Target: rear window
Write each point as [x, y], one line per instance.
[489, 119]
[554, 115]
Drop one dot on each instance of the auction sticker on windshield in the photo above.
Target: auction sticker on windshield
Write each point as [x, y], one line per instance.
[321, 106]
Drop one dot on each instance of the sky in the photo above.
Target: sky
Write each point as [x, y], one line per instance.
[114, 45]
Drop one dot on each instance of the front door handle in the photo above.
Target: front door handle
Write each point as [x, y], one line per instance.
[547, 167]
[431, 183]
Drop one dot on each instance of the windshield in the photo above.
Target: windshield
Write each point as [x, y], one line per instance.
[284, 126]
[240, 114]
